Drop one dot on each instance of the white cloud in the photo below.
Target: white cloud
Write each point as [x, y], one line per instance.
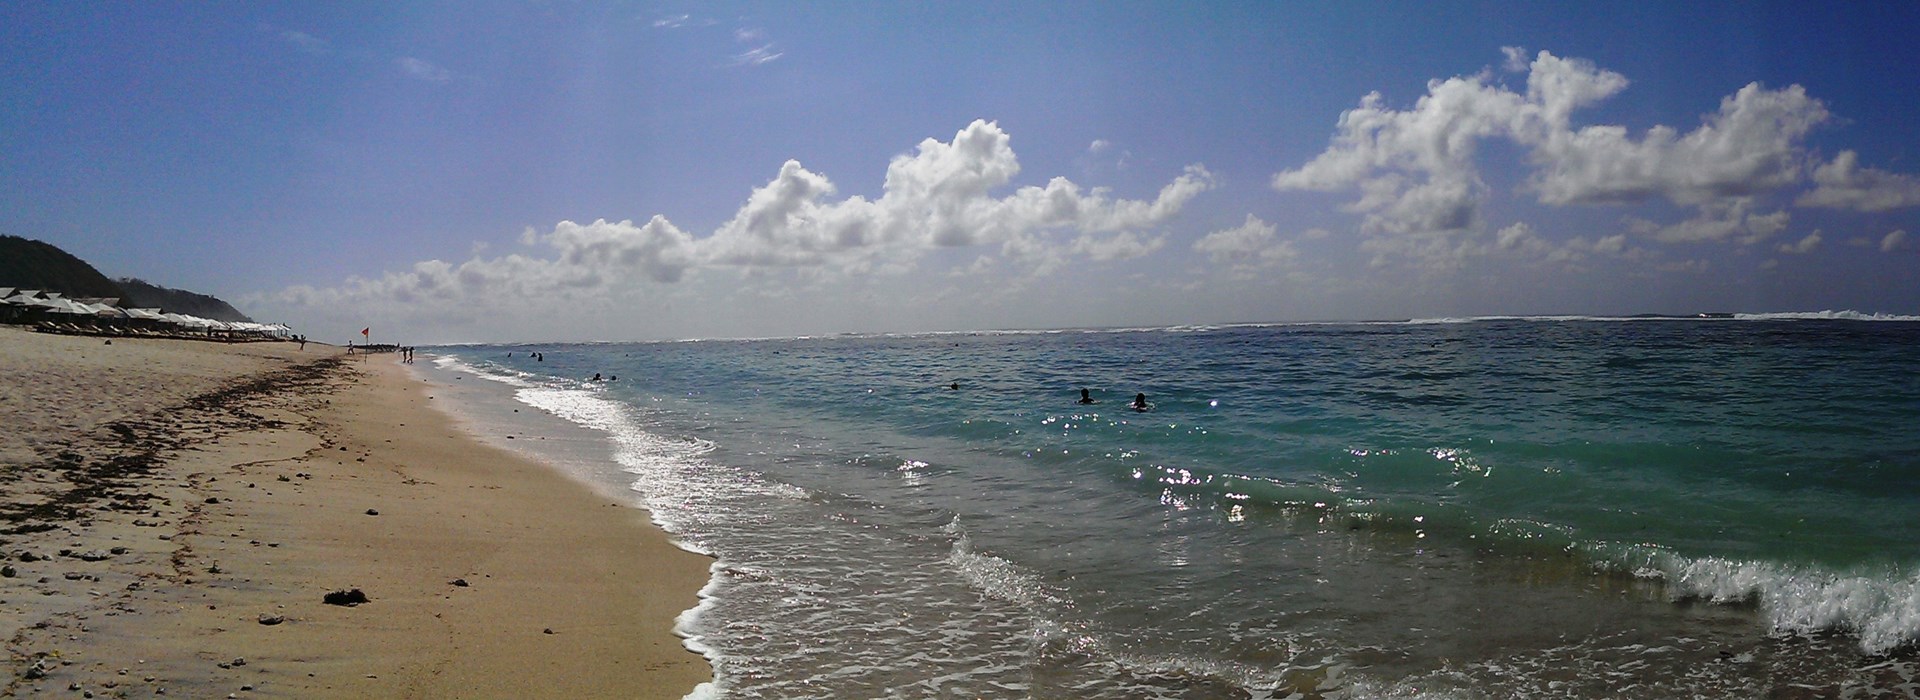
[1122, 246]
[1731, 220]
[1893, 241]
[422, 70]
[1416, 174]
[757, 56]
[1414, 168]
[659, 250]
[672, 22]
[765, 52]
[1519, 235]
[1516, 59]
[307, 42]
[1099, 145]
[1751, 146]
[1803, 246]
[940, 196]
[1254, 243]
[1843, 184]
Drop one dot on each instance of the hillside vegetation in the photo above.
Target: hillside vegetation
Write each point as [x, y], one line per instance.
[31, 264]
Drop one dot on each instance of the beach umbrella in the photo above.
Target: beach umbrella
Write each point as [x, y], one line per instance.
[68, 306]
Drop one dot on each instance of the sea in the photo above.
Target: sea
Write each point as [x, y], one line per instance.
[1513, 507]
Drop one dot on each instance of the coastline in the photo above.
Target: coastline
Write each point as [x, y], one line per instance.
[176, 534]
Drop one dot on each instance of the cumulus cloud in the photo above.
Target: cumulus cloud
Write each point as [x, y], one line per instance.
[1751, 146]
[942, 195]
[1843, 184]
[1803, 246]
[1254, 243]
[1122, 246]
[1415, 170]
[1731, 220]
[938, 196]
[1893, 241]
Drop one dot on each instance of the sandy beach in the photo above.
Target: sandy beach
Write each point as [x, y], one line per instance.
[177, 513]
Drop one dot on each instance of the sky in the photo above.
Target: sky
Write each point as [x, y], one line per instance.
[578, 171]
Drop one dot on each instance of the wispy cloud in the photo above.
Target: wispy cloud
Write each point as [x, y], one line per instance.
[307, 42]
[411, 67]
[422, 70]
[672, 22]
[762, 53]
[758, 56]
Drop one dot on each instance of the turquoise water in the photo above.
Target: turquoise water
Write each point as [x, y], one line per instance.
[1475, 508]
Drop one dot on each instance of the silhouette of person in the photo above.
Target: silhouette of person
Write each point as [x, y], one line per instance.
[1085, 397]
[1140, 402]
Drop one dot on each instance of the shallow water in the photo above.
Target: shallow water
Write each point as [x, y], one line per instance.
[1489, 508]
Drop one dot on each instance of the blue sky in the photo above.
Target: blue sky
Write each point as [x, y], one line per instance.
[613, 171]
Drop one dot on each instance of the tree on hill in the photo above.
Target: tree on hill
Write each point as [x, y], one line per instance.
[141, 293]
[31, 264]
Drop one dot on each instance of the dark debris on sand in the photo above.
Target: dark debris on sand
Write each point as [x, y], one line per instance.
[103, 477]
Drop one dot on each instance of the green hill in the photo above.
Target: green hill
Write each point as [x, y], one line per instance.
[141, 293]
[30, 264]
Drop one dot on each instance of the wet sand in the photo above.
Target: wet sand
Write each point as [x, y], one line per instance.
[173, 515]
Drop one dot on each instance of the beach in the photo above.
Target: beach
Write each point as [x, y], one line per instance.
[178, 513]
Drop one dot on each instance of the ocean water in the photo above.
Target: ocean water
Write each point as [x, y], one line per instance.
[1458, 508]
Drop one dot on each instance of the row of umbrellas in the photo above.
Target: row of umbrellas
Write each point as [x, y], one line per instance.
[104, 309]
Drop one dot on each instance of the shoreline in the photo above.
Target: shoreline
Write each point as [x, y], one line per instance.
[161, 545]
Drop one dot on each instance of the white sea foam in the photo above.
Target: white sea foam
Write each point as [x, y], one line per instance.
[1881, 608]
[454, 363]
[1829, 315]
[638, 452]
[995, 576]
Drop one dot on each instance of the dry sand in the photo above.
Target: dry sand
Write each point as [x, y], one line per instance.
[173, 513]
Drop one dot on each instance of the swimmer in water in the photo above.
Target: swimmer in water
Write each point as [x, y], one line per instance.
[1086, 398]
[1140, 402]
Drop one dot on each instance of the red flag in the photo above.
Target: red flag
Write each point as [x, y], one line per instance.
[363, 332]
